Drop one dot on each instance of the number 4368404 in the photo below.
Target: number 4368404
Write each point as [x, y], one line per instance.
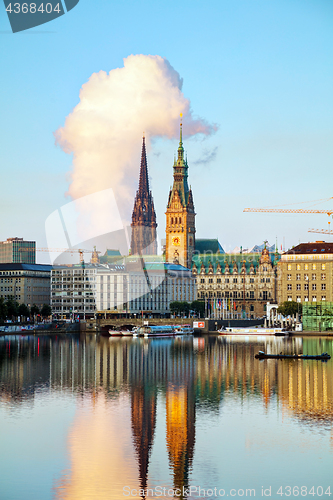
[32, 8]
[303, 491]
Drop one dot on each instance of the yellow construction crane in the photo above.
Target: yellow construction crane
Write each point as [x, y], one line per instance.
[297, 211]
[321, 231]
[289, 210]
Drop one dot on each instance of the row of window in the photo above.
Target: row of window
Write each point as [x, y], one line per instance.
[306, 299]
[236, 295]
[306, 267]
[9, 288]
[306, 286]
[176, 220]
[306, 277]
[234, 280]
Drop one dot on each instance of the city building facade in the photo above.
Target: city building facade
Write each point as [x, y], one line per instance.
[143, 239]
[26, 283]
[73, 289]
[134, 288]
[241, 284]
[17, 251]
[305, 273]
[180, 214]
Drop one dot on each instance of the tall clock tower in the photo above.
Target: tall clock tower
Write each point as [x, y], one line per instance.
[180, 215]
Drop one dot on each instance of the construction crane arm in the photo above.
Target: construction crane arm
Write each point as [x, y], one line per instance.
[289, 211]
[321, 231]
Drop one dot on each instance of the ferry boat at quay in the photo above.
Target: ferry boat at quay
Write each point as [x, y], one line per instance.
[154, 331]
[253, 331]
[164, 330]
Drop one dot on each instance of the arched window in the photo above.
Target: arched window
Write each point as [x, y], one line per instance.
[180, 220]
[171, 220]
[176, 220]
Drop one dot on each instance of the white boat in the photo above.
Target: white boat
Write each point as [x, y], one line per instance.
[127, 333]
[156, 331]
[252, 331]
[115, 333]
[183, 329]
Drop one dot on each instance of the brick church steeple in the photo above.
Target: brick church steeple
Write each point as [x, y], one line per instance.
[144, 224]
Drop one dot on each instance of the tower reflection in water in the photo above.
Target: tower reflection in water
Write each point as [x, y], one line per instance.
[117, 384]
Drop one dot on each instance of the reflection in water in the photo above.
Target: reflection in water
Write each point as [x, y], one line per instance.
[117, 384]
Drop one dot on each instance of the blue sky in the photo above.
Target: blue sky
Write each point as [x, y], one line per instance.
[261, 70]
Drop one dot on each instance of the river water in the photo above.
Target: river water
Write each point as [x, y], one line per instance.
[88, 417]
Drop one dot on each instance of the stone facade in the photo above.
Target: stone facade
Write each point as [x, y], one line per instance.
[243, 282]
[26, 283]
[305, 273]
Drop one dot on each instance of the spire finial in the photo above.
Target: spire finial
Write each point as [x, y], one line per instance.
[181, 130]
[143, 135]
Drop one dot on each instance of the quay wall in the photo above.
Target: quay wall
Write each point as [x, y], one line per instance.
[210, 325]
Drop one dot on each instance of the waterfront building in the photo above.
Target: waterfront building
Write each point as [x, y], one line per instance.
[17, 251]
[305, 273]
[143, 287]
[26, 283]
[132, 287]
[143, 240]
[73, 289]
[180, 215]
[239, 283]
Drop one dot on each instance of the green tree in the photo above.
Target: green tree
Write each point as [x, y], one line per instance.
[23, 310]
[289, 308]
[198, 306]
[35, 310]
[175, 307]
[185, 308]
[179, 308]
[46, 311]
[3, 309]
[12, 308]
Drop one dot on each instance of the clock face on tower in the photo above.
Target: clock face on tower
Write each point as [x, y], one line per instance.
[176, 240]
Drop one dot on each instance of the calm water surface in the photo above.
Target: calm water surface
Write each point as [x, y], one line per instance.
[86, 417]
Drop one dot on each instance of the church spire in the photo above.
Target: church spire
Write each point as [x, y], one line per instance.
[143, 180]
[180, 148]
[143, 240]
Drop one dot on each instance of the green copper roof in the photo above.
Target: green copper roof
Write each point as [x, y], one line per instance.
[212, 246]
[230, 259]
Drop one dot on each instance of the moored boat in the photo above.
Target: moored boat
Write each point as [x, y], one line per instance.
[183, 329]
[115, 333]
[156, 331]
[262, 355]
[252, 331]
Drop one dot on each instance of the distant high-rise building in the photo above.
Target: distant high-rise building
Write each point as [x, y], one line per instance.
[143, 225]
[180, 215]
[17, 251]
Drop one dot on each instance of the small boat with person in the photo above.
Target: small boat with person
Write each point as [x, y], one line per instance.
[262, 355]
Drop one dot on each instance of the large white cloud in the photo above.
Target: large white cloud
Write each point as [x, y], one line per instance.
[104, 130]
